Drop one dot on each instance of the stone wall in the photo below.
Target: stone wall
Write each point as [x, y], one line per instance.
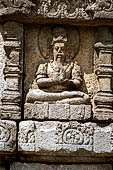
[56, 84]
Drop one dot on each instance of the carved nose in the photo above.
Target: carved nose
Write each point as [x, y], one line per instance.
[59, 50]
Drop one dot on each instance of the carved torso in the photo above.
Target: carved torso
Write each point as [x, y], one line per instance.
[68, 71]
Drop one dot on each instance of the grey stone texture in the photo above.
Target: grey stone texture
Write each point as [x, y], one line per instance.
[57, 111]
[37, 166]
[11, 68]
[8, 132]
[63, 138]
[103, 100]
[34, 56]
[96, 66]
[68, 77]
[59, 79]
[2, 64]
[70, 10]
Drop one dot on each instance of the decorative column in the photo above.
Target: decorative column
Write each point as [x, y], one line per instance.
[11, 100]
[103, 101]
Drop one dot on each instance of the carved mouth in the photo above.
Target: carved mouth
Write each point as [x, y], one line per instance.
[60, 55]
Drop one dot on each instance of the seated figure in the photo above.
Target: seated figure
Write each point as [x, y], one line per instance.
[58, 81]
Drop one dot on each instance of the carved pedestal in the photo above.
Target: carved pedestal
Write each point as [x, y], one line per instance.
[104, 98]
[57, 111]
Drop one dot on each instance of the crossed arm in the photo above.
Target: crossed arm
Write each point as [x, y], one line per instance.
[49, 82]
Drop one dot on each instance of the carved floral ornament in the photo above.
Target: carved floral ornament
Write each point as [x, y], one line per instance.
[59, 9]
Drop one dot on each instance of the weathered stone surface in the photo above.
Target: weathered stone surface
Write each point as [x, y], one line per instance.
[37, 166]
[70, 10]
[33, 54]
[27, 135]
[65, 138]
[80, 112]
[103, 141]
[55, 136]
[58, 79]
[13, 46]
[103, 100]
[2, 64]
[36, 111]
[55, 87]
[57, 82]
[7, 136]
[57, 111]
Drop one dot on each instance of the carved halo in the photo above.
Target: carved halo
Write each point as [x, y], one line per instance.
[45, 39]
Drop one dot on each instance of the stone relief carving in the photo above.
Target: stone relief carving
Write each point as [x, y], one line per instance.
[65, 137]
[16, 3]
[80, 9]
[55, 93]
[100, 5]
[46, 37]
[4, 133]
[57, 111]
[7, 136]
[74, 134]
[58, 80]
[27, 135]
[55, 135]
[103, 100]
[11, 98]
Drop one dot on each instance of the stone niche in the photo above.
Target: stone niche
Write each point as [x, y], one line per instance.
[89, 49]
[67, 86]
[38, 49]
[56, 83]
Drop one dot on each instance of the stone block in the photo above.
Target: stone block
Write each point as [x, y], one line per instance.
[63, 138]
[36, 111]
[27, 135]
[57, 111]
[103, 114]
[80, 112]
[10, 111]
[37, 166]
[51, 136]
[103, 141]
[7, 136]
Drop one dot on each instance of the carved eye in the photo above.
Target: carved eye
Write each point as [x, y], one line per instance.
[56, 48]
[62, 48]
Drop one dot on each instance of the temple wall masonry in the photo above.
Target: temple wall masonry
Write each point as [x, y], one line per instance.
[56, 85]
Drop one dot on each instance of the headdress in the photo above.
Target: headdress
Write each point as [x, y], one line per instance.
[59, 35]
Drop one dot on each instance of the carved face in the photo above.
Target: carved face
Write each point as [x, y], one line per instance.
[59, 52]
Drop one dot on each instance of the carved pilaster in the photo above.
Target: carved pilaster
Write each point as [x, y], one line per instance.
[104, 98]
[11, 99]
